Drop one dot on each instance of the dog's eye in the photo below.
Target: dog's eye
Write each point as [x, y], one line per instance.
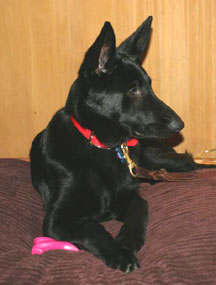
[135, 91]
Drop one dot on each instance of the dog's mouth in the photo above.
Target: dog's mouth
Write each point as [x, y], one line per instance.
[138, 135]
[151, 134]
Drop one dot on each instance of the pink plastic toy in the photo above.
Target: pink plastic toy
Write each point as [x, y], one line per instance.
[43, 244]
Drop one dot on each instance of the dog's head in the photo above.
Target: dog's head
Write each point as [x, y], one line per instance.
[113, 95]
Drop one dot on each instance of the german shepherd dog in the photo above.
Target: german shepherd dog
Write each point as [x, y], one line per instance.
[76, 164]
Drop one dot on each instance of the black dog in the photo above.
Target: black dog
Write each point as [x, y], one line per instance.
[74, 160]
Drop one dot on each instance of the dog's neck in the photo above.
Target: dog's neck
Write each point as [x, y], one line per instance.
[88, 134]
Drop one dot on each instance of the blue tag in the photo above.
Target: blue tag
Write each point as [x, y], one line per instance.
[120, 154]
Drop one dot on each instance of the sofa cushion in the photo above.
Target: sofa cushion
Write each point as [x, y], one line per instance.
[180, 247]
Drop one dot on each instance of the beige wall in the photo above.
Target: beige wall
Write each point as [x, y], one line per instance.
[42, 43]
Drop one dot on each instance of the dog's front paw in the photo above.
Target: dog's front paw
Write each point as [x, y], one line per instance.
[123, 260]
[131, 239]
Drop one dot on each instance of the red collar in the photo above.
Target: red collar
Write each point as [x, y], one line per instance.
[93, 139]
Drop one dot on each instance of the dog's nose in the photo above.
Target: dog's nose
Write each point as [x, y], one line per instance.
[176, 125]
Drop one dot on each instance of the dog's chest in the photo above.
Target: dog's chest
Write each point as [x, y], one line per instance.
[109, 173]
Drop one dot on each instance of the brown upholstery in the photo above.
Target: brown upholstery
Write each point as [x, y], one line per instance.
[180, 246]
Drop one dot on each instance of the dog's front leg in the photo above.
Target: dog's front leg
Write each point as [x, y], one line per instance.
[90, 235]
[133, 211]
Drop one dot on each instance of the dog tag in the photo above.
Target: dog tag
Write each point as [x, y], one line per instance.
[120, 154]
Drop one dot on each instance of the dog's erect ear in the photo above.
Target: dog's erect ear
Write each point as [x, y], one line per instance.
[101, 55]
[135, 45]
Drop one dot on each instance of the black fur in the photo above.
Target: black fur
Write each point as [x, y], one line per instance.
[82, 185]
